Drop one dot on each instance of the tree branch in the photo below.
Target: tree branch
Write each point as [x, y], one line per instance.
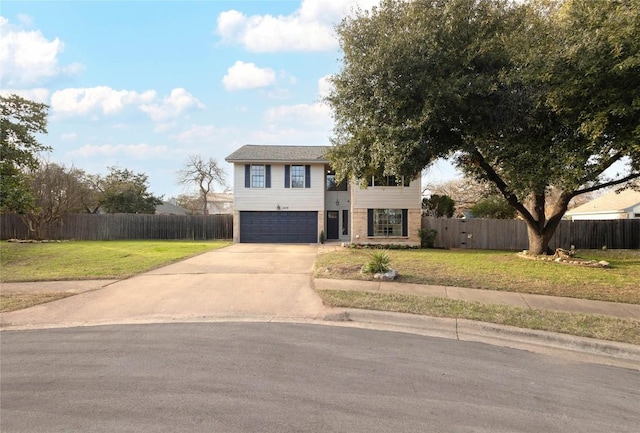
[503, 187]
[602, 167]
[606, 185]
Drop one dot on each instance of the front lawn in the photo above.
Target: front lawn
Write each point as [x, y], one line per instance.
[81, 260]
[499, 270]
[584, 325]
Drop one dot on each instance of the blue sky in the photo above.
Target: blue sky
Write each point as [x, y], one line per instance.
[144, 84]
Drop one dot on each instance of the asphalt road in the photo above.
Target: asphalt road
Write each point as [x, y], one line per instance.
[268, 377]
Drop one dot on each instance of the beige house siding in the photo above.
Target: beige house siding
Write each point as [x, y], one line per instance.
[399, 197]
[388, 197]
[268, 199]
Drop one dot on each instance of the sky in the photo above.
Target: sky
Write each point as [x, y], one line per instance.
[142, 85]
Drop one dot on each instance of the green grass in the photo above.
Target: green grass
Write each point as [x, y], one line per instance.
[78, 260]
[584, 325]
[499, 270]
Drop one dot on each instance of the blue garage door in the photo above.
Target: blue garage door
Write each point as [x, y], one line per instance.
[279, 227]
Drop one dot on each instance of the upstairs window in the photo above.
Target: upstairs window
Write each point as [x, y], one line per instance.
[332, 185]
[257, 176]
[388, 181]
[297, 176]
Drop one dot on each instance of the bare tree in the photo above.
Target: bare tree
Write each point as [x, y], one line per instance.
[465, 192]
[204, 174]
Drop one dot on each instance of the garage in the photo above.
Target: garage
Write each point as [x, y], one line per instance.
[279, 227]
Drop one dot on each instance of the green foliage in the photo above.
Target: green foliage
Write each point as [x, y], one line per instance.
[79, 260]
[124, 191]
[321, 238]
[526, 95]
[493, 207]
[57, 190]
[439, 206]
[20, 121]
[378, 263]
[427, 237]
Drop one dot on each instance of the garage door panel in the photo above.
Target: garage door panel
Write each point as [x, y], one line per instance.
[279, 227]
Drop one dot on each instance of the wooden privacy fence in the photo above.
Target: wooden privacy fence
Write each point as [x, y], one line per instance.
[126, 226]
[489, 234]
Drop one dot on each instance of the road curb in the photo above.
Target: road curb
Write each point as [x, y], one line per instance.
[589, 349]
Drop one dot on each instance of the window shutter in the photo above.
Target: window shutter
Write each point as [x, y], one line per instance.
[307, 176]
[247, 176]
[405, 222]
[287, 176]
[267, 176]
[369, 222]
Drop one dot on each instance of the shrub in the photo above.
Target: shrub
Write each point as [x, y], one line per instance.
[378, 263]
[427, 237]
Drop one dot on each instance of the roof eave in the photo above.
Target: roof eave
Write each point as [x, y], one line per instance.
[280, 161]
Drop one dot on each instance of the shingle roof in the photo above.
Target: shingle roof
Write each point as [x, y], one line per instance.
[277, 153]
[613, 202]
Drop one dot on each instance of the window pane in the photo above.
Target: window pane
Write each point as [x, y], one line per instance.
[345, 222]
[257, 176]
[333, 186]
[387, 222]
[331, 182]
[297, 176]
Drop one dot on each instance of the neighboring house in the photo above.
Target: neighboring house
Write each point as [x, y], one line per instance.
[288, 194]
[168, 208]
[613, 205]
[219, 203]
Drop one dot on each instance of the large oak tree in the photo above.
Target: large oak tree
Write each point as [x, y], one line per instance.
[21, 121]
[533, 97]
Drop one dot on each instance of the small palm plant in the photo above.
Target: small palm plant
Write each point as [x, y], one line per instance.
[378, 263]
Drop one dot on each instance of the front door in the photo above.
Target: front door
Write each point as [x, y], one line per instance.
[333, 224]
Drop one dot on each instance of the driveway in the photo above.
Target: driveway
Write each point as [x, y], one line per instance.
[242, 281]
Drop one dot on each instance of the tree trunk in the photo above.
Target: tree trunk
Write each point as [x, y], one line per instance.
[539, 239]
[540, 230]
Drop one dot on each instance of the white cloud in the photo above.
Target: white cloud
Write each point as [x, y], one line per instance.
[39, 94]
[247, 76]
[25, 19]
[203, 134]
[318, 114]
[28, 57]
[135, 151]
[78, 101]
[164, 126]
[172, 106]
[324, 86]
[71, 136]
[309, 28]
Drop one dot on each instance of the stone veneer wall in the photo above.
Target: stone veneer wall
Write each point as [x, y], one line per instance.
[359, 229]
[236, 226]
[321, 224]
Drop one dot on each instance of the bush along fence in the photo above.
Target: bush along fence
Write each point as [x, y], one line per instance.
[490, 234]
[125, 226]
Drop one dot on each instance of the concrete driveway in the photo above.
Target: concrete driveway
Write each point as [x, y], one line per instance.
[242, 281]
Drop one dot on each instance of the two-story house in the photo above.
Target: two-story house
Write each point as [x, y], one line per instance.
[289, 194]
